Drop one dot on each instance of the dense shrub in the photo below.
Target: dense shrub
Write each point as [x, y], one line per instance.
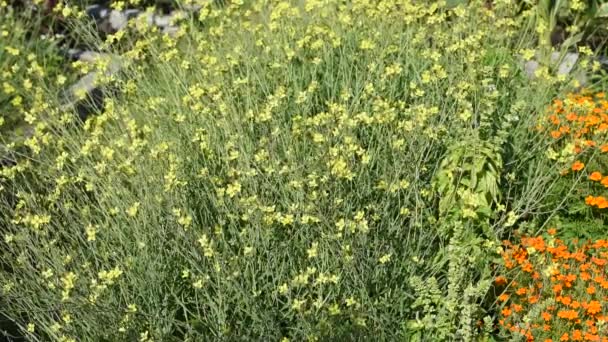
[317, 170]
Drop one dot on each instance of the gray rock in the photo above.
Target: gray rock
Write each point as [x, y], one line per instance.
[567, 64]
[192, 8]
[530, 67]
[73, 54]
[163, 21]
[6, 157]
[89, 56]
[117, 20]
[86, 96]
[97, 12]
[565, 67]
[132, 13]
[170, 30]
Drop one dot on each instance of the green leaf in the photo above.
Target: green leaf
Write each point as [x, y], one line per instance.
[602, 11]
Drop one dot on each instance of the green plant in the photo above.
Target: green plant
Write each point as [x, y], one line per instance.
[569, 22]
[29, 62]
[272, 171]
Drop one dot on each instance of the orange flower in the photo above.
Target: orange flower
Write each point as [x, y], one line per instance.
[571, 116]
[604, 182]
[590, 200]
[595, 176]
[503, 297]
[555, 134]
[604, 148]
[601, 202]
[594, 307]
[598, 261]
[552, 231]
[500, 280]
[591, 289]
[567, 314]
[591, 337]
[565, 300]
[565, 337]
[577, 166]
[577, 335]
[533, 299]
[506, 312]
[546, 316]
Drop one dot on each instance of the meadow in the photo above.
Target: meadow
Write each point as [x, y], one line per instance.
[308, 171]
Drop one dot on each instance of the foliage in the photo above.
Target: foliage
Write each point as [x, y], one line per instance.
[569, 21]
[578, 126]
[28, 61]
[313, 170]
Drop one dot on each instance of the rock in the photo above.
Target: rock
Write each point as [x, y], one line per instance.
[567, 64]
[6, 157]
[132, 13]
[72, 54]
[97, 12]
[192, 8]
[603, 60]
[90, 56]
[86, 96]
[117, 20]
[564, 68]
[530, 67]
[163, 21]
[170, 30]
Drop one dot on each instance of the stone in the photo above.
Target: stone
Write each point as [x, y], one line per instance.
[86, 96]
[6, 157]
[90, 56]
[530, 67]
[170, 30]
[567, 64]
[73, 54]
[97, 12]
[132, 13]
[163, 21]
[565, 67]
[117, 20]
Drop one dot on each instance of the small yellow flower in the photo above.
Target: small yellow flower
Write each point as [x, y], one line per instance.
[132, 210]
[385, 258]
[91, 232]
[312, 251]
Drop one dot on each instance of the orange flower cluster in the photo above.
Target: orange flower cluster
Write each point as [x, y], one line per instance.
[579, 116]
[582, 119]
[554, 292]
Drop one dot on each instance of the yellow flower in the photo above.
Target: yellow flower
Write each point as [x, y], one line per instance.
[91, 232]
[132, 210]
[385, 258]
[312, 251]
